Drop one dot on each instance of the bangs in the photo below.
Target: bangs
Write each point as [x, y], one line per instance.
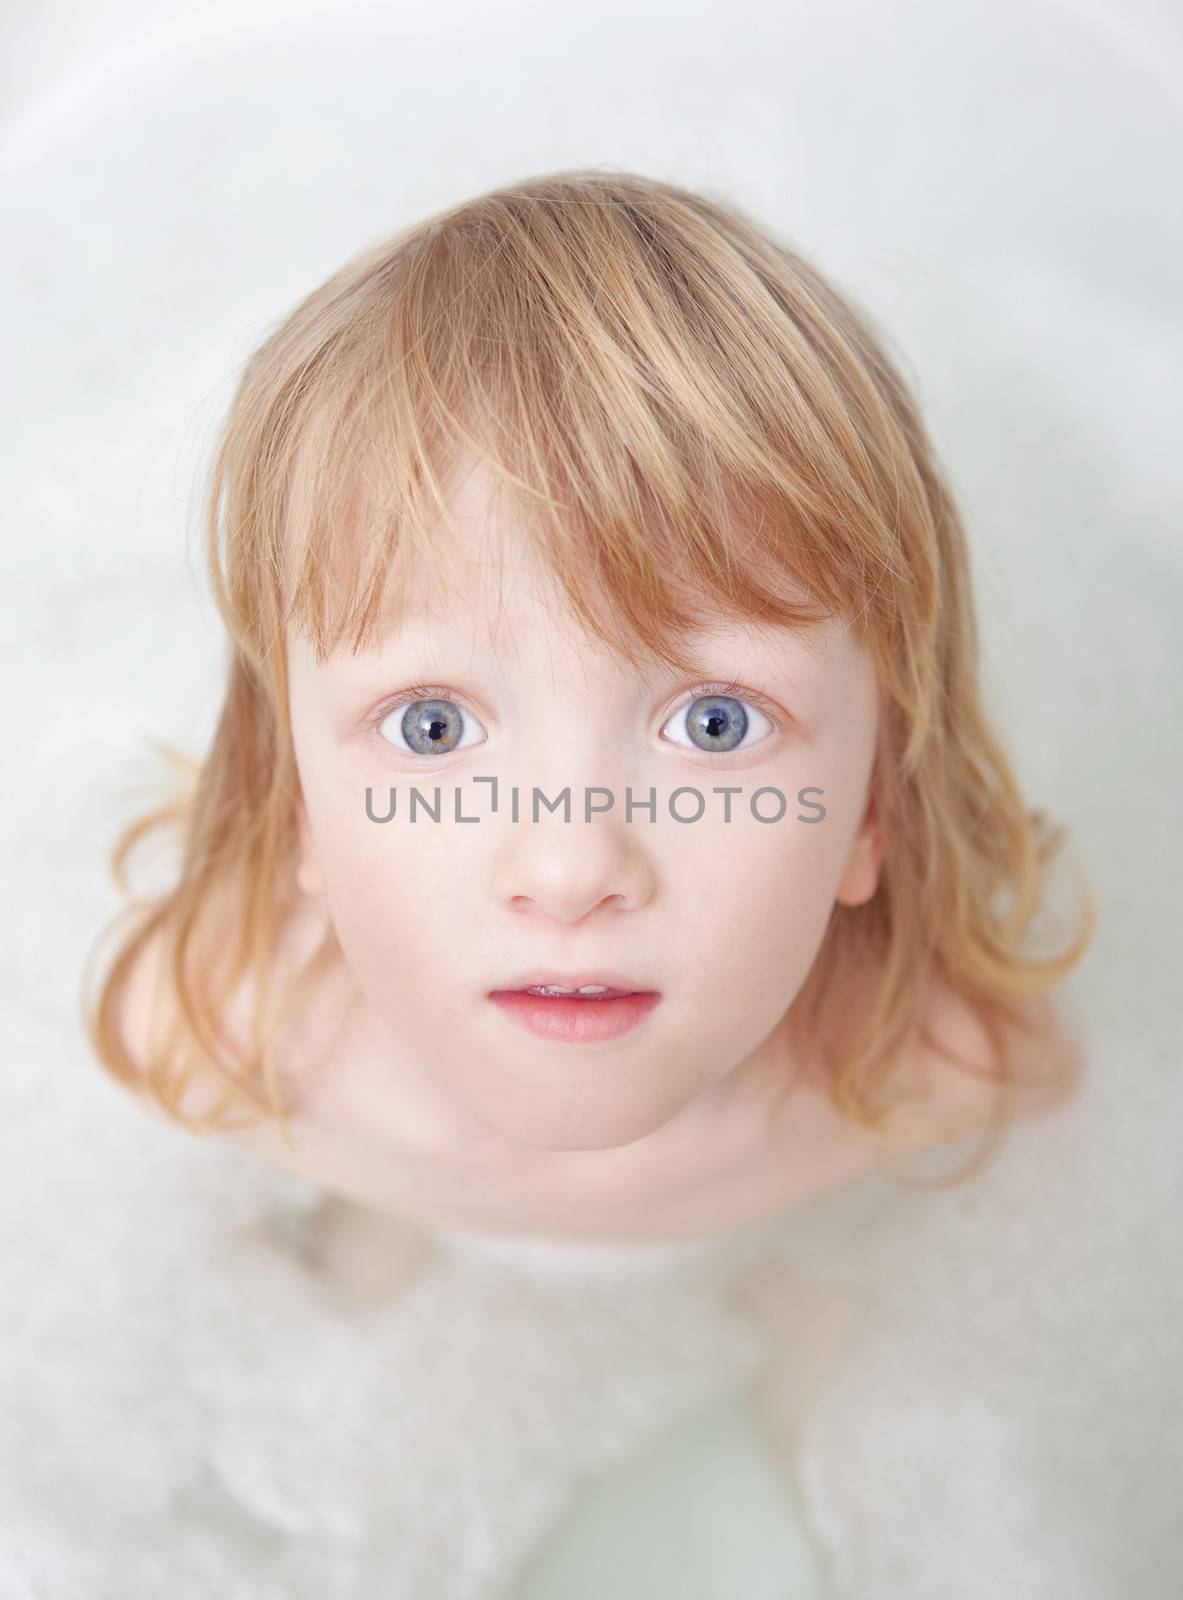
[679, 445]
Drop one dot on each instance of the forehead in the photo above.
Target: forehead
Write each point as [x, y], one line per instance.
[488, 600]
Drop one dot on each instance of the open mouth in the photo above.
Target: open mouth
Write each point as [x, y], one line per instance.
[589, 993]
[596, 1013]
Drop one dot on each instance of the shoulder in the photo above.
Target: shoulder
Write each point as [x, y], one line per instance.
[144, 1014]
[957, 1066]
[149, 1007]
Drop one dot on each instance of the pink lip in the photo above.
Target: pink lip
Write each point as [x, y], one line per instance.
[575, 1021]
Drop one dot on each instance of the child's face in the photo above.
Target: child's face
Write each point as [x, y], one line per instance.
[722, 917]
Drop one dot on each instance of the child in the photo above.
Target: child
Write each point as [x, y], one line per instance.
[599, 619]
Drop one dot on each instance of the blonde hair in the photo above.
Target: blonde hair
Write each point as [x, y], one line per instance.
[692, 422]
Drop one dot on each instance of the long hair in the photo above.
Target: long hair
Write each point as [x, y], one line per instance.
[692, 422]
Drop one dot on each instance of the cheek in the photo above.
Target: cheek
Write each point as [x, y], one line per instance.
[756, 900]
[396, 891]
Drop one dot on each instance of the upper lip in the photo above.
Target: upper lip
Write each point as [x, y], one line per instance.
[574, 980]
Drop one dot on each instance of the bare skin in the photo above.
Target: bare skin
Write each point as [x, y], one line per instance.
[410, 1095]
[393, 1171]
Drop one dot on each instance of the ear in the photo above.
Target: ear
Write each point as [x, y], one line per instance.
[308, 877]
[861, 877]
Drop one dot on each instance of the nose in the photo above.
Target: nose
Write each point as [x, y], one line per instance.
[568, 870]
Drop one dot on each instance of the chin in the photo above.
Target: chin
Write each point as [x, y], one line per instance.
[581, 1127]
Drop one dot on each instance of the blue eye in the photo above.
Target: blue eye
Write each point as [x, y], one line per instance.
[716, 723]
[427, 726]
[427, 722]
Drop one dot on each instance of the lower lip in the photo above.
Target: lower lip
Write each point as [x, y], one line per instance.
[575, 1021]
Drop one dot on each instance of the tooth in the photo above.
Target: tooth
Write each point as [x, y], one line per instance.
[558, 989]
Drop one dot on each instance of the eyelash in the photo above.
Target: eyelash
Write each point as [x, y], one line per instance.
[435, 691]
[416, 691]
[739, 692]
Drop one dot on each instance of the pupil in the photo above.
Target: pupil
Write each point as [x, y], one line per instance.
[718, 723]
[430, 725]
